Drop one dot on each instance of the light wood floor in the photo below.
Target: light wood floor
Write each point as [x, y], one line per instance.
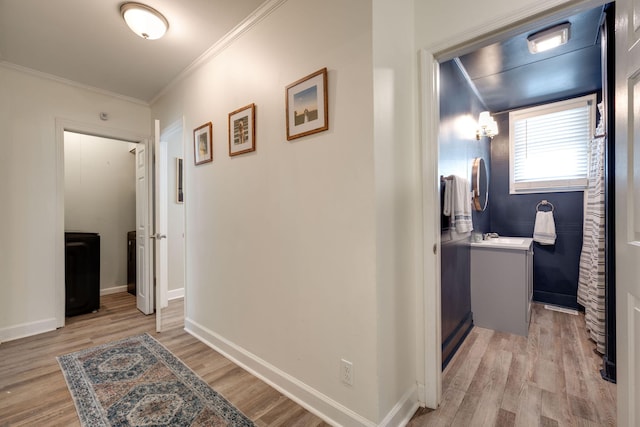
[550, 379]
[496, 379]
[33, 391]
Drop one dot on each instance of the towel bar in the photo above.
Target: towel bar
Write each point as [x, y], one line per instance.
[544, 203]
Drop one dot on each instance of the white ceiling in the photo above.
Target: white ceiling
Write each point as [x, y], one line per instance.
[88, 42]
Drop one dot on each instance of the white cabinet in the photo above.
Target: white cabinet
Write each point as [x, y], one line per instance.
[502, 285]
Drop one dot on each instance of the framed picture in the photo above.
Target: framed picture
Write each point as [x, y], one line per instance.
[179, 181]
[242, 130]
[202, 143]
[307, 105]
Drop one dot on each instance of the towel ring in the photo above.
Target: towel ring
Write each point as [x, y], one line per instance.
[544, 203]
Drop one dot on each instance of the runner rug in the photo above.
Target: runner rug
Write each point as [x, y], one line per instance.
[138, 382]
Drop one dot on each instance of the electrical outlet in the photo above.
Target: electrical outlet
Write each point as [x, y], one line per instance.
[346, 372]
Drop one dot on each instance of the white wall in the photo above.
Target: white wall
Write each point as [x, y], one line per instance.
[175, 216]
[397, 180]
[100, 197]
[29, 221]
[281, 242]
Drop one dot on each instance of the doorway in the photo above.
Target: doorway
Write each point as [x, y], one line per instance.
[430, 64]
[504, 77]
[91, 131]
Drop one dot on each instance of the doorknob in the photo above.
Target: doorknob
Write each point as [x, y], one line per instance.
[158, 236]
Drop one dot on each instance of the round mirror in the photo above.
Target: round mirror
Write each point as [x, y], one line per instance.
[480, 183]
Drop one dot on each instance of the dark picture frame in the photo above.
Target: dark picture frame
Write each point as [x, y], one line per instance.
[242, 130]
[179, 180]
[203, 144]
[307, 105]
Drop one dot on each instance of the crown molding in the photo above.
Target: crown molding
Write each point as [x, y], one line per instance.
[238, 31]
[67, 82]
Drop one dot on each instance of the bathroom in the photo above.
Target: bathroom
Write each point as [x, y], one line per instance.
[503, 78]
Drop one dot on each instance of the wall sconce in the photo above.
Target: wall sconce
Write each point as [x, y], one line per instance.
[487, 126]
[549, 38]
[143, 20]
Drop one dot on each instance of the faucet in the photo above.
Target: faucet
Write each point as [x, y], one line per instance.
[488, 236]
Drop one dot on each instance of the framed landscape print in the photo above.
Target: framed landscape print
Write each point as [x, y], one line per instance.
[202, 143]
[307, 105]
[242, 131]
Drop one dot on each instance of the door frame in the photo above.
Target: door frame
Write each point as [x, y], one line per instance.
[430, 58]
[62, 125]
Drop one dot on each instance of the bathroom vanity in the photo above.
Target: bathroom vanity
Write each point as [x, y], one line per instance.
[502, 283]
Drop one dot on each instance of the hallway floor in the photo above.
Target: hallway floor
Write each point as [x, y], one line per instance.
[33, 391]
[551, 378]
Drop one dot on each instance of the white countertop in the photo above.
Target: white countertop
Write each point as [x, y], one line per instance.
[512, 243]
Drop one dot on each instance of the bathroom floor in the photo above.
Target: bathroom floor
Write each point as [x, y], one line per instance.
[551, 378]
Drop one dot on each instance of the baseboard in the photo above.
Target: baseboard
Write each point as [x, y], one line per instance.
[175, 294]
[401, 413]
[314, 401]
[27, 329]
[113, 290]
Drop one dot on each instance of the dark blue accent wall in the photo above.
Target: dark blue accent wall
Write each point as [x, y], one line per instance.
[459, 110]
[555, 268]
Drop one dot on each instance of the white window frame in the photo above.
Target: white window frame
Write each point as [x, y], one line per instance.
[552, 186]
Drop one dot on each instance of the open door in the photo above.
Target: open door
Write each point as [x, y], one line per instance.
[144, 273]
[161, 227]
[627, 194]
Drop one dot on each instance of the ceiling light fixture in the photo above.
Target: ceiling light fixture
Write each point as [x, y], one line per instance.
[487, 126]
[549, 38]
[143, 20]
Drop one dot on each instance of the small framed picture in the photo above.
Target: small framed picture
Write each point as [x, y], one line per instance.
[179, 181]
[242, 130]
[202, 143]
[307, 105]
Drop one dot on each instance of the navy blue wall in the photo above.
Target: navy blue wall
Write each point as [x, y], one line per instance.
[555, 268]
[459, 110]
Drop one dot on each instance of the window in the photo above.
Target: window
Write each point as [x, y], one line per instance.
[549, 146]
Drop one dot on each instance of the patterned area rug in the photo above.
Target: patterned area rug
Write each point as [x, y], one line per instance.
[138, 382]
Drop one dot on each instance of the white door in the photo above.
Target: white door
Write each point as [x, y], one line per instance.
[627, 181]
[161, 227]
[144, 254]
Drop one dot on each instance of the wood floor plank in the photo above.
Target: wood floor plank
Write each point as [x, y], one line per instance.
[550, 378]
[33, 391]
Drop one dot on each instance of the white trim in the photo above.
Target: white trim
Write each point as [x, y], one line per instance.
[175, 294]
[113, 290]
[248, 23]
[23, 330]
[403, 411]
[309, 398]
[431, 329]
[47, 76]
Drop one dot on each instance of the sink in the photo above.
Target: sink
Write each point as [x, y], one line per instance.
[503, 242]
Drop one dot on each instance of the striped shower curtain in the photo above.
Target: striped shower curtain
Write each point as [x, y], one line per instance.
[591, 283]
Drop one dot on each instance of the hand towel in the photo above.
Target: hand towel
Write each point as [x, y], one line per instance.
[457, 203]
[544, 230]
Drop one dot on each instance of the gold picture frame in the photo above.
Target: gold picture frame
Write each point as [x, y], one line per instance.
[203, 144]
[307, 105]
[242, 130]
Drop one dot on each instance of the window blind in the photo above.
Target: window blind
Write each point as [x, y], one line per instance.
[550, 146]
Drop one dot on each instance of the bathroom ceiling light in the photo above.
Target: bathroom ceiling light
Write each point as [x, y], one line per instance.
[487, 126]
[143, 20]
[549, 38]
